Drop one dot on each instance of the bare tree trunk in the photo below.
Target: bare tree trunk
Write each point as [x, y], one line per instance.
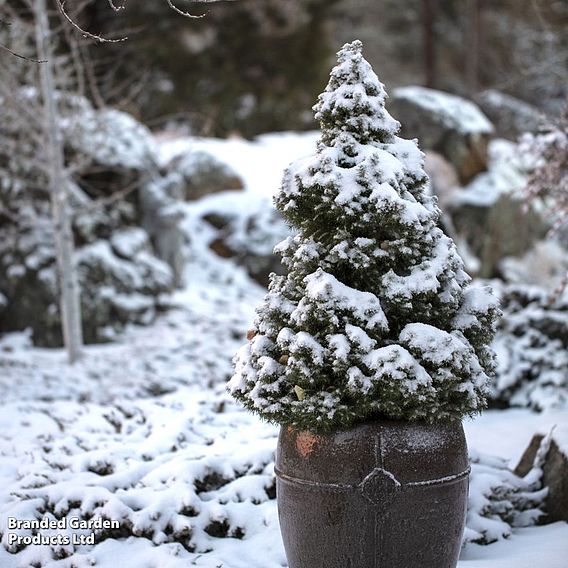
[429, 42]
[58, 184]
[473, 42]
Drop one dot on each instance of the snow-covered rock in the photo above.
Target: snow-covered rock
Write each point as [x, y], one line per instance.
[445, 123]
[116, 290]
[247, 236]
[544, 265]
[122, 280]
[110, 138]
[500, 500]
[488, 212]
[118, 286]
[510, 116]
[555, 470]
[202, 174]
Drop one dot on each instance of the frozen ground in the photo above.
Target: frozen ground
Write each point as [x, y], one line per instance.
[142, 431]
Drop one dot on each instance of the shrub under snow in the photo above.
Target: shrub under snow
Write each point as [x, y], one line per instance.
[193, 479]
[532, 349]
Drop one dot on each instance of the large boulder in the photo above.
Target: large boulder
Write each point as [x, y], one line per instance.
[487, 214]
[120, 166]
[124, 270]
[444, 180]
[510, 116]
[447, 124]
[107, 138]
[247, 236]
[555, 472]
[202, 174]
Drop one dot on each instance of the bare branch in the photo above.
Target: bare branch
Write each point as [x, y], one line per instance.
[14, 53]
[188, 14]
[30, 59]
[101, 39]
[182, 12]
[116, 7]
[92, 81]
[15, 99]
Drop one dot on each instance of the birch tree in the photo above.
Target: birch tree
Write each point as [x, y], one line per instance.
[58, 182]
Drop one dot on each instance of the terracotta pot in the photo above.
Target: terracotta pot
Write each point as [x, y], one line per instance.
[384, 494]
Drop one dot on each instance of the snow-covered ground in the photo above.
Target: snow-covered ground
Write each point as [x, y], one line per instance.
[142, 430]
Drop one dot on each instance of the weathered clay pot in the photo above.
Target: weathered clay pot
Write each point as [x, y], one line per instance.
[385, 494]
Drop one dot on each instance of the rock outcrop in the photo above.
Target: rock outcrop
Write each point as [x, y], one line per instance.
[249, 240]
[555, 475]
[447, 124]
[203, 174]
[510, 116]
[491, 215]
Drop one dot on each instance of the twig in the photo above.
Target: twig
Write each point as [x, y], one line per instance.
[91, 79]
[182, 12]
[24, 57]
[115, 7]
[101, 39]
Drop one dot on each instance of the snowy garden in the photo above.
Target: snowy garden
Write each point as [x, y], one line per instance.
[417, 281]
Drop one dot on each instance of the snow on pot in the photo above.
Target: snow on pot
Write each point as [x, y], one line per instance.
[370, 350]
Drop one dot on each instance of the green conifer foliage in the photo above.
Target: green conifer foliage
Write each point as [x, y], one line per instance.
[375, 318]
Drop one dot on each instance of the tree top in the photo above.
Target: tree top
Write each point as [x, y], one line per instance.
[352, 106]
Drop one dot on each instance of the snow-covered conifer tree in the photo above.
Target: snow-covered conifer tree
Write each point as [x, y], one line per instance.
[375, 318]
